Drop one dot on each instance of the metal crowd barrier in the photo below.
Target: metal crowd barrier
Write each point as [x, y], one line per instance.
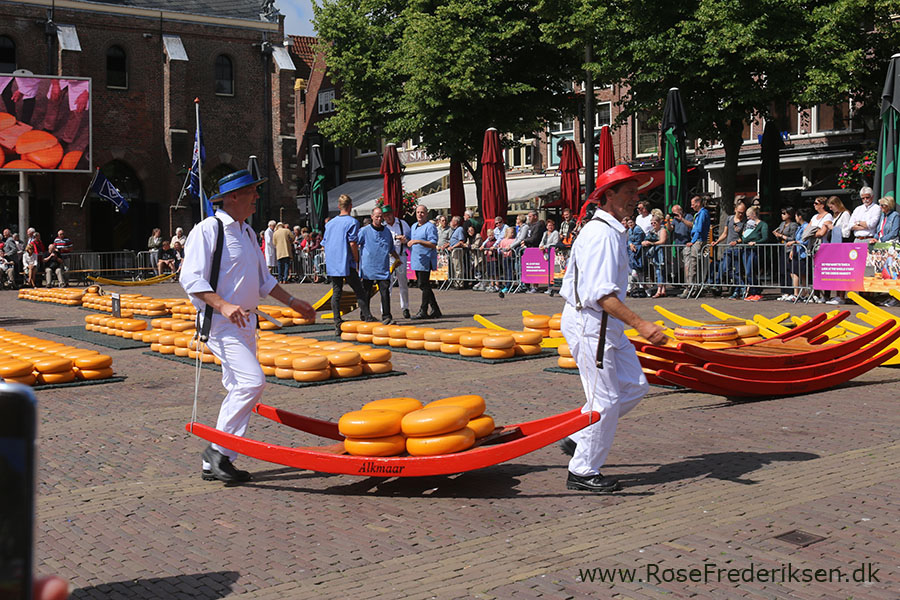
[114, 265]
[739, 271]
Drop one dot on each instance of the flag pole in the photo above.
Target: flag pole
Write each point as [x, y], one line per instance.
[90, 185]
[199, 162]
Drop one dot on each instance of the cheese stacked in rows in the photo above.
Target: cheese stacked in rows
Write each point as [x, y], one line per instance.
[33, 361]
[64, 296]
[132, 303]
[391, 426]
[465, 341]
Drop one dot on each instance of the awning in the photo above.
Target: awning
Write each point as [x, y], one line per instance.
[365, 192]
[518, 188]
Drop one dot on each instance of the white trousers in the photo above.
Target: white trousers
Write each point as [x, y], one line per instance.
[611, 391]
[242, 377]
[399, 275]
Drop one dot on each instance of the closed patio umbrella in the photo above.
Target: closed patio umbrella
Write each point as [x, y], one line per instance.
[318, 194]
[392, 171]
[770, 169]
[606, 159]
[494, 196]
[457, 195]
[889, 140]
[570, 180]
[673, 128]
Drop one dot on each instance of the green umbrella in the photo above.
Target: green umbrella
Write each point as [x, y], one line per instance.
[770, 169]
[673, 127]
[889, 141]
[318, 193]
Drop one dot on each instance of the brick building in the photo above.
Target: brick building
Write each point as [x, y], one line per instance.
[148, 60]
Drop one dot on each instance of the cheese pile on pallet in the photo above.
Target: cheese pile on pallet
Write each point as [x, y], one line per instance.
[64, 296]
[286, 316]
[465, 341]
[548, 326]
[393, 426]
[132, 304]
[33, 361]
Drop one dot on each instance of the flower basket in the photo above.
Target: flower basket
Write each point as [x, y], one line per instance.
[858, 171]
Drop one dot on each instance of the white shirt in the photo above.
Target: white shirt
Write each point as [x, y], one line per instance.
[244, 278]
[870, 215]
[820, 220]
[400, 227]
[269, 239]
[600, 251]
[841, 226]
[644, 222]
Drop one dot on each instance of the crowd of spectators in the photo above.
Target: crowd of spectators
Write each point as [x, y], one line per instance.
[23, 261]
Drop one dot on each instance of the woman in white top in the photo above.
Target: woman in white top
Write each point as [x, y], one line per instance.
[840, 226]
[30, 262]
[822, 222]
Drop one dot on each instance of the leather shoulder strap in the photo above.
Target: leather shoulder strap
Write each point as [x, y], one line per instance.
[213, 278]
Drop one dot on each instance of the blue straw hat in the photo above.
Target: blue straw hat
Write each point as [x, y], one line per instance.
[235, 181]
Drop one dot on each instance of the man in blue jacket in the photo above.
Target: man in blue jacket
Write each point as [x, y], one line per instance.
[341, 260]
[693, 257]
[376, 247]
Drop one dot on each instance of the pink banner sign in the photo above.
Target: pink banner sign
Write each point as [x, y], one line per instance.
[840, 267]
[536, 265]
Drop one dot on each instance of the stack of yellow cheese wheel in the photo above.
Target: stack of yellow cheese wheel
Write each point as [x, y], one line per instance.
[134, 303]
[376, 429]
[537, 323]
[465, 341]
[719, 334]
[64, 296]
[565, 360]
[33, 361]
[555, 325]
[187, 311]
[480, 423]
[307, 359]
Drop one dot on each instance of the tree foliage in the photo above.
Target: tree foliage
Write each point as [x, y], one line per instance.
[444, 70]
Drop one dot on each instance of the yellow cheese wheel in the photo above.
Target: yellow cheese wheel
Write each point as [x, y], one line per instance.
[89, 374]
[527, 337]
[397, 331]
[473, 404]
[416, 344]
[367, 328]
[752, 339]
[380, 340]
[364, 337]
[450, 348]
[344, 372]
[15, 368]
[455, 441]
[719, 345]
[466, 351]
[705, 334]
[152, 336]
[472, 340]
[285, 360]
[370, 423]
[154, 347]
[501, 342]
[268, 325]
[375, 354]
[53, 365]
[556, 333]
[563, 350]
[450, 337]
[403, 406]
[312, 375]
[309, 363]
[382, 330]
[433, 346]
[434, 420]
[265, 357]
[554, 323]
[266, 369]
[527, 349]
[303, 321]
[344, 358]
[167, 349]
[536, 321]
[397, 342]
[348, 337]
[181, 325]
[566, 362]
[495, 353]
[59, 377]
[350, 326]
[433, 335]
[179, 351]
[384, 446]
[544, 332]
[416, 333]
[29, 379]
[283, 373]
[182, 341]
[167, 338]
[482, 426]
[132, 324]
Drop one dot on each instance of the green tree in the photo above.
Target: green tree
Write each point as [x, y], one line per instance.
[731, 59]
[444, 70]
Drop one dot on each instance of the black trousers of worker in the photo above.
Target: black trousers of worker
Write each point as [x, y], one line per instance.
[423, 279]
[337, 291]
[384, 289]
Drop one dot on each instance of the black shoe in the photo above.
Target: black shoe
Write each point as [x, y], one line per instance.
[568, 446]
[206, 475]
[405, 313]
[387, 320]
[220, 467]
[592, 483]
[419, 316]
[436, 314]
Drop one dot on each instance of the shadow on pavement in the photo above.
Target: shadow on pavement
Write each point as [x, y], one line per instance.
[727, 466]
[216, 584]
[12, 321]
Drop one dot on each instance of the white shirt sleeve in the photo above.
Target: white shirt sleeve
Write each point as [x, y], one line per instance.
[198, 251]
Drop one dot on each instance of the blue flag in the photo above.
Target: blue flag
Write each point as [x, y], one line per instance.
[104, 188]
[197, 160]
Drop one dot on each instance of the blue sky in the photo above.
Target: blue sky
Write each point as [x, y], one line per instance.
[298, 14]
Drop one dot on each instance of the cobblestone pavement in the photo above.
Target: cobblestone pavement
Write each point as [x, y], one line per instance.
[708, 484]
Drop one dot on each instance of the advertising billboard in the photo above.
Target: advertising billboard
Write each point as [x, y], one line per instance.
[45, 123]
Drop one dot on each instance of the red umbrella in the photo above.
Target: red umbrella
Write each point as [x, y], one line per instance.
[393, 180]
[494, 197]
[606, 159]
[570, 180]
[457, 195]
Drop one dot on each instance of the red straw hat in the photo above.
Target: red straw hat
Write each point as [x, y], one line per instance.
[618, 174]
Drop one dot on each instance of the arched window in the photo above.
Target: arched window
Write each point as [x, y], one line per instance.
[116, 68]
[7, 55]
[224, 76]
